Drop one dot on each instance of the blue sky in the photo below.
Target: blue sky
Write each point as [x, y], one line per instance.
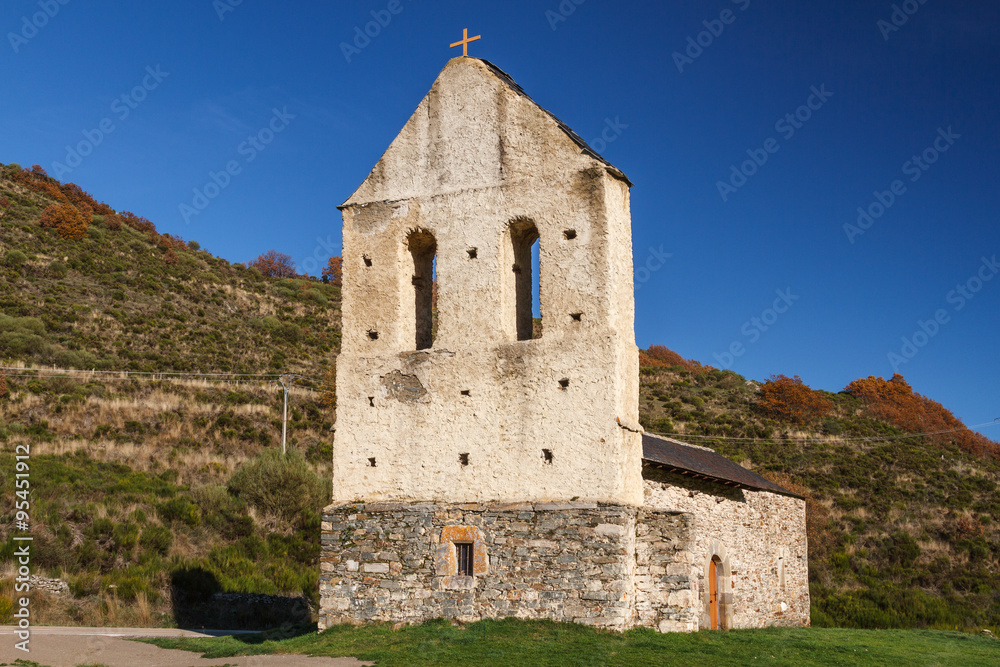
[753, 132]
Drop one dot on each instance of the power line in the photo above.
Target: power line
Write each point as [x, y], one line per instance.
[225, 378]
[819, 441]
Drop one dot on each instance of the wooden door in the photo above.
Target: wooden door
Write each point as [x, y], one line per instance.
[713, 596]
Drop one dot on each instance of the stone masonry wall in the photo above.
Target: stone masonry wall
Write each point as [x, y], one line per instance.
[666, 578]
[561, 561]
[760, 538]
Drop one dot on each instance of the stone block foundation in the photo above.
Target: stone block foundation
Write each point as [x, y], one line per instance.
[395, 562]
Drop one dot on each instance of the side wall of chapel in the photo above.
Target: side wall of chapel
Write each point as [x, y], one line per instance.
[759, 539]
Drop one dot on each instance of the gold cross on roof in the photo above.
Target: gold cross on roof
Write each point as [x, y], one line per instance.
[465, 41]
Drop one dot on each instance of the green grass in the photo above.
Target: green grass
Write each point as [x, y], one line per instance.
[540, 643]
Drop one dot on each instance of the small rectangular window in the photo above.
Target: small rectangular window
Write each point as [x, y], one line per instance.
[463, 554]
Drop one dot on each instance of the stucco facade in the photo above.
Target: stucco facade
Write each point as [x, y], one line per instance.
[481, 470]
[478, 172]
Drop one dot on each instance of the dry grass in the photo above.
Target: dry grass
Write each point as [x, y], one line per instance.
[176, 422]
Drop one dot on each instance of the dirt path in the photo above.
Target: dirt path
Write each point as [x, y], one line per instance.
[69, 647]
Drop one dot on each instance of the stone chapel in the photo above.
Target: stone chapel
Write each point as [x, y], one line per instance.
[487, 467]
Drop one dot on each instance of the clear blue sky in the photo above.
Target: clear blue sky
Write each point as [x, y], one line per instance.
[684, 115]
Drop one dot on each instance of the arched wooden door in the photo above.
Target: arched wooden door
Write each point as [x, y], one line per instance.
[713, 594]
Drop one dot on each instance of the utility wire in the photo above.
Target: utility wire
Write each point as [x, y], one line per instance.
[819, 441]
[227, 378]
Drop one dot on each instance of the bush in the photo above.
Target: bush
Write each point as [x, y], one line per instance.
[290, 332]
[66, 219]
[156, 539]
[58, 270]
[791, 400]
[274, 264]
[15, 258]
[281, 485]
[180, 509]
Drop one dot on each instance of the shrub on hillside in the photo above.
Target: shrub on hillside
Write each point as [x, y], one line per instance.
[895, 401]
[156, 539]
[660, 356]
[328, 390]
[789, 399]
[137, 223]
[113, 221]
[57, 270]
[36, 180]
[179, 509]
[333, 273]
[66, 219]
[81, 199]
[15, 258]
[4, 391]
[289, 332]
[281, 485]
[274, 264]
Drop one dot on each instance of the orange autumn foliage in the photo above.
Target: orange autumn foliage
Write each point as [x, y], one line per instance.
[791, 400]
[138, 223]
[78, 197]
[660, 356]
[895, 401]
[274, 264]
[68, 222]
[39, 181]
[4, 391]
[334, 271]
[113, 222]
[169, 242]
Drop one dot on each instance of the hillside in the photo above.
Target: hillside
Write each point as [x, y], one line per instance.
[149, 489]
[901, 528]
[129, 473]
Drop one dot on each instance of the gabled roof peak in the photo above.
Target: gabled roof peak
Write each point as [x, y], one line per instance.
[584, 146]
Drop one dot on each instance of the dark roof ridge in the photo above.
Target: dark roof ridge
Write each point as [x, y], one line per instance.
[704, 463]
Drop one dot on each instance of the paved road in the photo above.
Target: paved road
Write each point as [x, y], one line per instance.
[69, 647]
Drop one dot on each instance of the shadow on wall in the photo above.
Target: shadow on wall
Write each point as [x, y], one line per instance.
[199, 603]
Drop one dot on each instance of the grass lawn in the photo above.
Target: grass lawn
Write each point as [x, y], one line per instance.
[538, 643]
